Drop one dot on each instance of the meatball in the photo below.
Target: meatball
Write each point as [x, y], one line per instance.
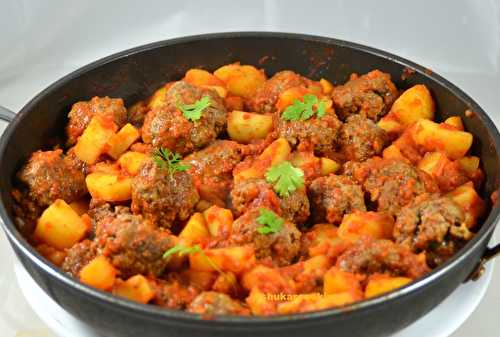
[318, 134]
[361, 138]
[427, 221]
[382, 256]
[50, 176]
[79, 256]
[173, 294]
[251, 193]
[162, 197]
[133, 244]
[166, 126]
[391, 183]
[370, 95]
[211, 169]
[267, 95]
[333, 196]
[82, 112]
[210, 303]
[281, 247]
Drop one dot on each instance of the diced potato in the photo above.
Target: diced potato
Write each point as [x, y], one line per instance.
[328, 166]
[55, 256]
[323, 239]
[109, 187]
[441, 137]
[471, 203]
[391, 126]
[80, 207]
[376, 225]
[433, 163]
[60, 226]
[470, 164]
[93, 142]
[266, 278]
[260, 304]
[105, 167]
[380, 284]
[277, 152]
[99, 273]
[195, 229]
[201, 279]
[313, 302]
[230, 259]
[220, 90]
[456, 122]
[234, 103]
[132, 161]
[122, 140]
[219, 221]
[326, 85]
[244, 127]
[202, 77]
[159, 98]
[413, 104]
[338, 281]
[393, 152]
[226, 283]
[137, 288]
[241, 80]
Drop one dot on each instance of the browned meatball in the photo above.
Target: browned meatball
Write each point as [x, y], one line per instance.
[251, 193]
[267, 95]
[133, 244]
[382, 256]
[333, 196]
[161, 197]
[82, 112]
[391, 183]
[173, 294]
[210, 303]
[79, 256]
[427, 221]
[361, 138]
[50, 176]
[370, 95]
[318, 134]
[166, 126]
[281, 247]
[211, 169]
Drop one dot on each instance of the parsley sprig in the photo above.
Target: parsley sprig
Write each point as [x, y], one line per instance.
[168, 160]
[285, 178]
[270, 221]
[193, 111]
[305, 109]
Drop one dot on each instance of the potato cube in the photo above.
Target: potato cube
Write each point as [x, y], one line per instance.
[93, 142]
[380, 284]
[313, 302]
[230, 259]
[109, 187]
[391, 126]
[393, 152]
[158, 98]
[442, 137]
[132, 161]
[201, 279]
[470, 202]
[433, 163]
[338, 281]
[326, 85]
[456, 122]
[219, 221]
[202, 77]
[122, 140]
[328, 166]
[376, 225]
[60, 226]
[244, 127]
[137, 288]
[413, 104]
[241, 80]
[469, 164]
[99, 273]
[195, 229]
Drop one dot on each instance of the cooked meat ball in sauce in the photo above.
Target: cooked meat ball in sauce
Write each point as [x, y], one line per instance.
[162, 197]
[334, 196]
[370, 95]
[172, 203]
[166, 126]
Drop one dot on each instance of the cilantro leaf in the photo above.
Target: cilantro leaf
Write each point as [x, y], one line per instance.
[305, 109]
[181, 250]
[270, 221]
[285, 177]
[193, 111]
[171, 161]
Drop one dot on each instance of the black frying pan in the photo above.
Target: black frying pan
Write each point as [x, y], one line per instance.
[135, 74]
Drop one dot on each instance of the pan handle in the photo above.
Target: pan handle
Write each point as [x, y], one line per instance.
[6, 114]
[489, 254]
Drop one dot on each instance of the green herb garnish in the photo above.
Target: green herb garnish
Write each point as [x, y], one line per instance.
[193, 111]
[305, 109]
[168, 160]
[285, 178]
[181, 250]
[270, 221]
